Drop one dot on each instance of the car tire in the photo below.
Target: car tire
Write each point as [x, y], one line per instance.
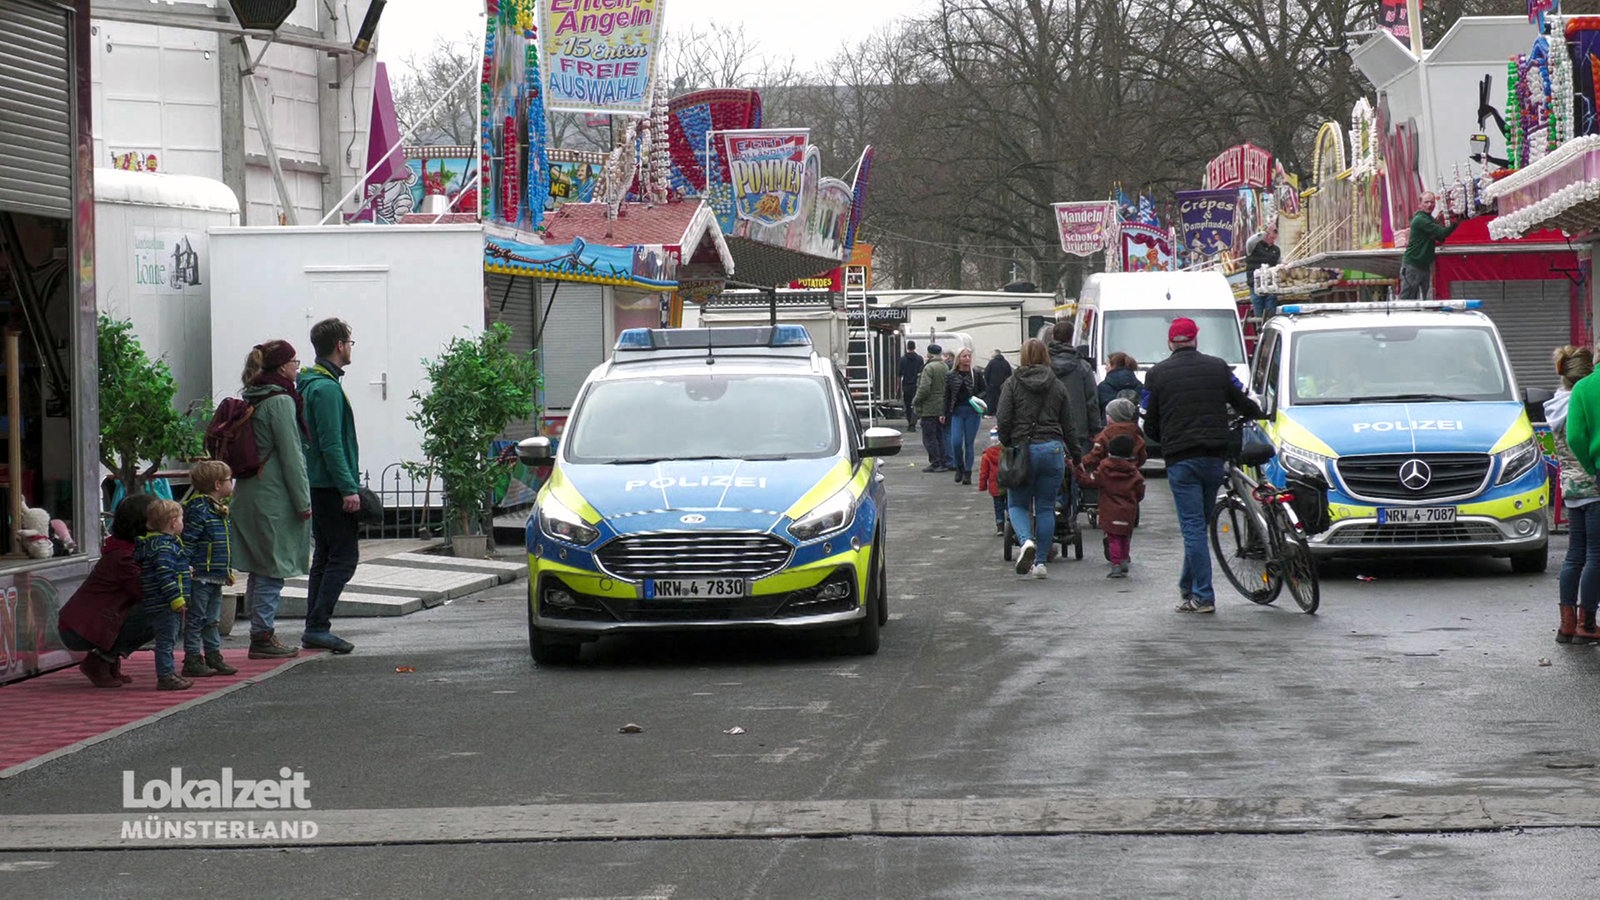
[864, 640]
[881, 585]
[546, 648]
[1532, 562]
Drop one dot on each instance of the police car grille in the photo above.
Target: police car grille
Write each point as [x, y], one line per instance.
[1377, 477]
[1402, 535]
[702, 555]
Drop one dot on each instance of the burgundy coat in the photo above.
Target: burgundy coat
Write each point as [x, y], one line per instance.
[1101, 448]
[97, 608]
[1121, 488]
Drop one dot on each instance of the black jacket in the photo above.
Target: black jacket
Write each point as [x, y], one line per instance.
[1034, 406]
[959, 387]
[910, 367]
[1117, 381]
[1187, 399]
[1263, 254]
[994, 378]
[1077, 376]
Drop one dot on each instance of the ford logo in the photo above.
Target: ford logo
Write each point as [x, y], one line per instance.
[1415, 474]
[693, 519]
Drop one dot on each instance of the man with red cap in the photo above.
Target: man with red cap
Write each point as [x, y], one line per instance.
[1186, 402]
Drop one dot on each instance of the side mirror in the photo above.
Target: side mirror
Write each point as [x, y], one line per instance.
[1533, 400]
[535, 451]
[881, 442]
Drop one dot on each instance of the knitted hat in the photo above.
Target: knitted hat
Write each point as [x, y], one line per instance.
[1122, 410]
[275, 354]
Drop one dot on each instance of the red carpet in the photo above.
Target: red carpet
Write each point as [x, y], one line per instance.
[52, 712]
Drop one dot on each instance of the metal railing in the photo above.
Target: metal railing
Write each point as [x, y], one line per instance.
[412, 505]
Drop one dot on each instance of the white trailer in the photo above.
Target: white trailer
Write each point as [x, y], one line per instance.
[994, 319]
[828, 328]
[153, 266]
[405, 290]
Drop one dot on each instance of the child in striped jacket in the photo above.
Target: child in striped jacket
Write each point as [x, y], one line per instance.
[205, 536]
[164, 574]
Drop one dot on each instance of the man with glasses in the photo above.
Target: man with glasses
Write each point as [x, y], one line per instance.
[332, 465]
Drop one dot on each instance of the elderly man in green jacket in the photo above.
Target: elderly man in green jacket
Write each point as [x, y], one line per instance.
[332, 464]
[1416, 265]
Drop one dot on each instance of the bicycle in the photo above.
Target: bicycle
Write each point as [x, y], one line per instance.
[1258, 537]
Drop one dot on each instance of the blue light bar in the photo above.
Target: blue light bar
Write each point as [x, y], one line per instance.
[635, 339]
[747, 337]
[1381, 306]
[790, 336]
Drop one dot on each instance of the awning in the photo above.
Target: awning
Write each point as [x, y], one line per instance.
[1561, 191]
[758, 264]
[576, 261]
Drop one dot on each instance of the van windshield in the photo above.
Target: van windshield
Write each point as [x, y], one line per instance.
[701, 416]
[1142, 333]
[1371, 365]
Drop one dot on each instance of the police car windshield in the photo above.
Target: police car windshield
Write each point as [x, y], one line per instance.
[1142, 333]
[703, 416]
[1436, 363]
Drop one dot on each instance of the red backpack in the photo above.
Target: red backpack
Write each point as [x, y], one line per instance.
[231, 438]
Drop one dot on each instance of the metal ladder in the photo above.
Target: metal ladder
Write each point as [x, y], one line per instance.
[862, 363]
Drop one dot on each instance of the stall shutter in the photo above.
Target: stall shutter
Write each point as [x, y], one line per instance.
[510, 300]
[36, 155]
[573, 340]
[1534, 318]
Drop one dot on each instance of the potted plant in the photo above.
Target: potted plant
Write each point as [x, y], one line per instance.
[138, 423]
[478, 386]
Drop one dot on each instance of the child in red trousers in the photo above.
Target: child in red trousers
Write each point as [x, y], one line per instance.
[988, 468]
[1121, 489]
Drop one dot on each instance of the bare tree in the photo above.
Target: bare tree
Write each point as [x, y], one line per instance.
[422, 81]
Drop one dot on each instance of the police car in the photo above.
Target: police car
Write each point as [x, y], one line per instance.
[709, 478]
[1408, 411]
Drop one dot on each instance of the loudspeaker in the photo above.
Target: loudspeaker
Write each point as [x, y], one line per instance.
[264, 15]
[369, 26]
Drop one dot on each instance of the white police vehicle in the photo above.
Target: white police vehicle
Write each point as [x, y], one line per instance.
[709, 478]
[1408, 411]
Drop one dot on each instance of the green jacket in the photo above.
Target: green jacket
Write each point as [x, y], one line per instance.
[1583, 423]
[929, 400]
[1426, 233]
[266, 532]
[332, 458]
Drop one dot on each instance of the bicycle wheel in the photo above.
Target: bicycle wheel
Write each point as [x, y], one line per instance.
[1299, 568]
[1241, 549]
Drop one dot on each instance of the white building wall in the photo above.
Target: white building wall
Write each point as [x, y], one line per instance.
[156, 92]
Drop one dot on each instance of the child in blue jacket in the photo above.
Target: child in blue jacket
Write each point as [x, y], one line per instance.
[164, 575]
[205, 535]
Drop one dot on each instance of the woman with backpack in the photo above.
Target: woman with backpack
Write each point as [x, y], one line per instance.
[271, 512]
[1036, 413]
[1122, 380]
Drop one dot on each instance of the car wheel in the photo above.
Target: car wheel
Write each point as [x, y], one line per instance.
[1532, 562]
[865, 639]
[548, 649]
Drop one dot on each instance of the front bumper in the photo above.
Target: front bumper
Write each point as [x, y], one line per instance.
[1469, 535]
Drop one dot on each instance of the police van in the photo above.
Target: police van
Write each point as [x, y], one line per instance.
[1409, 413]
[709, 478]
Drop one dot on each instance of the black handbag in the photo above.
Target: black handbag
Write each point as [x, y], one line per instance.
[371, 512]
[1015, 470]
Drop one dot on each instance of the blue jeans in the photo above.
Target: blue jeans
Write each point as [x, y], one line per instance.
[1194, 483]
[1263, 304]
[949, 429]
[167, 624]
[1000, 504]
[200, 633]
[964, 432]
[1033, 506]
[262, 593]
[933, 441]
[1580, 571]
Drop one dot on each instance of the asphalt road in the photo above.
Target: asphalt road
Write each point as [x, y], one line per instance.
[1019, 738]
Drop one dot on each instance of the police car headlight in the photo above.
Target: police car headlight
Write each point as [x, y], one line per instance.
[561, 523]
[833, 514]
[1303, 462]
[1515, 462]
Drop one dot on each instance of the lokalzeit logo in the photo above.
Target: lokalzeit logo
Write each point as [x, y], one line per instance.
[287, 792]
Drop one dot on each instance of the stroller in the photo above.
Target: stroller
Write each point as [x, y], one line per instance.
[1070, 501]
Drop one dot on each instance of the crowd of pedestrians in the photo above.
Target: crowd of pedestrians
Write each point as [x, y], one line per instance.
[162, 569]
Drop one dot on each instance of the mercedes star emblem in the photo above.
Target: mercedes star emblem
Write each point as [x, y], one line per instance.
[1415, 474]
[697, 519]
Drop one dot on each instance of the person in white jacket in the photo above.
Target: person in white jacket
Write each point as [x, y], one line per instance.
[1579, 581]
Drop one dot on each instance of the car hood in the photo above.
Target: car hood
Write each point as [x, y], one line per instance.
[1477, 427]
[711, 493]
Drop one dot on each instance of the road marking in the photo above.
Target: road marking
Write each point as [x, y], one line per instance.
[688, 820]
[815, 706]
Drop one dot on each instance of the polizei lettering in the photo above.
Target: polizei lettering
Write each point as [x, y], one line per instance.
[1410, 425]
[721, 481]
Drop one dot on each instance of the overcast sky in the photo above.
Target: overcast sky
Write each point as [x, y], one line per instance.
[809, 30]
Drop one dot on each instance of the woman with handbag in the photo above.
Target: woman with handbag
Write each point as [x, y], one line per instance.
[1039, 435]
[963, 395]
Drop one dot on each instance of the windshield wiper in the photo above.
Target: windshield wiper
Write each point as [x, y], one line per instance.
[1401, 398]
[648, 460]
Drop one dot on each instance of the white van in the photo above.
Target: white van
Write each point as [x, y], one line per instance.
[1131, 312]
